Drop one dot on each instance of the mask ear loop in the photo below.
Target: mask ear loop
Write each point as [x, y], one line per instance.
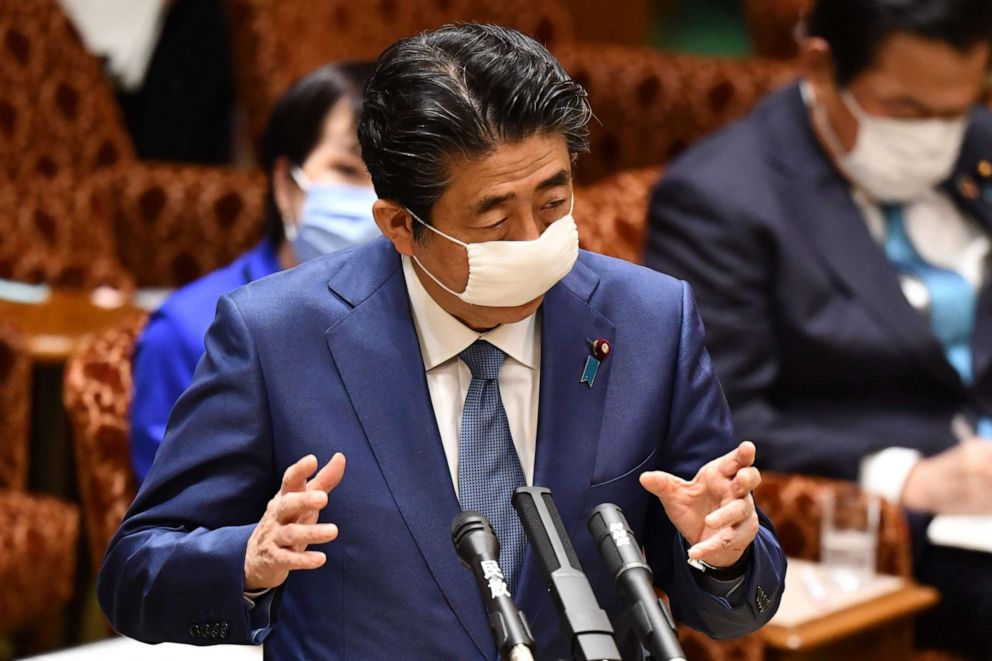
[290, 229]
[854, 106]
[300, 178]
[424, 268]
[826, 128]
[437, 231]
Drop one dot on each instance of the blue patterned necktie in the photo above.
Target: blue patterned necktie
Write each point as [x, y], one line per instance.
[952, 301]
[488, 466]
[952, 298]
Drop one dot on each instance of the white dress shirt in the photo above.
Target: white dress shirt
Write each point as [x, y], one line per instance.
[442, 338]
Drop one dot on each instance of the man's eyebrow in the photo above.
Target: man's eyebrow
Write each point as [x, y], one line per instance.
[488, 203]
[922, 107]
[910, 101]
[561, 178]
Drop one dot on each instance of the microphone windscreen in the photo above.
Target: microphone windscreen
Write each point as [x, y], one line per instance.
[534, 505]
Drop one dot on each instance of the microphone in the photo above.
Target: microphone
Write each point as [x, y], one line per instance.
[478, 549]
[623, 557]
[586, 626]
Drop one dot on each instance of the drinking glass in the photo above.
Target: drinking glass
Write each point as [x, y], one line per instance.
[849, 537]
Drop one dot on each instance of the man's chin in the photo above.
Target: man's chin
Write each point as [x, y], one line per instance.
[499, 315]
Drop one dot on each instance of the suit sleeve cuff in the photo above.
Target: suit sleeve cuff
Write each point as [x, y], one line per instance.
[884, 473]
[261, 605]
[716, 615]
[723, 582]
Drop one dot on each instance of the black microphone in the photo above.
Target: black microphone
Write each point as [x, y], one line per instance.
[623, 557]
[478, 549]
[586, 626]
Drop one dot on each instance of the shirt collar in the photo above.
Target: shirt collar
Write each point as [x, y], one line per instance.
[442, 337]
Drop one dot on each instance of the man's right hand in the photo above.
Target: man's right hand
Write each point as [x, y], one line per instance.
[279, 543]
[956, 481]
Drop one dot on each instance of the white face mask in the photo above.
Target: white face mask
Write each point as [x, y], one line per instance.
[511, 273]
[900, 160]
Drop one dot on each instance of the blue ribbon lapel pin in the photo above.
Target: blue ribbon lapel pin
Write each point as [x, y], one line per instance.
[599, 349]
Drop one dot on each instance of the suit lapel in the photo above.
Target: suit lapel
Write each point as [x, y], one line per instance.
[829, 216]
[570, 414]
[371, 346]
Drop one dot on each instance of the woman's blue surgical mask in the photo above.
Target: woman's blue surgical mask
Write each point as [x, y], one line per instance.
[335, 216]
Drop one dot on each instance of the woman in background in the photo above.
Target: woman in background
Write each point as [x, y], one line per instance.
[320, 200]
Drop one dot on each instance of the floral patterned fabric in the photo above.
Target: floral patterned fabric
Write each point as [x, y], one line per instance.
[277, 42]
[97, 395]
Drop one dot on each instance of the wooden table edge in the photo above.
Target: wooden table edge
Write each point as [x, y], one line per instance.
[859, 617]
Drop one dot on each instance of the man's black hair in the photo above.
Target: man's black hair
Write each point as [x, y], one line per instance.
[296, 124]
[460, 92]
[856, 29]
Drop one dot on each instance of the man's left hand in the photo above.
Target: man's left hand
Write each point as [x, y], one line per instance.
[715, 511]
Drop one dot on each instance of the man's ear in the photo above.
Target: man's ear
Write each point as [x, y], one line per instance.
[817, 64]
[820, 71]
[395, 223]
[283, 188]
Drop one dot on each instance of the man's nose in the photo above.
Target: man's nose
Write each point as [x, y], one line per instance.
[528, 227]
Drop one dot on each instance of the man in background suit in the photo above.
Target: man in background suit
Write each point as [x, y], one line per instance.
[472, 350]
[838, 241]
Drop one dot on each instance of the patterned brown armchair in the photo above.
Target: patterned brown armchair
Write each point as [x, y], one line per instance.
[773, 25]
[38, 534]
[612, 213]
[174, 223]
[97, 397]
[41, 240]
[15, 402]
[277, 42]
[650, 105]
[76, 206]
[149, 225]
[57, 114]
[792, 503]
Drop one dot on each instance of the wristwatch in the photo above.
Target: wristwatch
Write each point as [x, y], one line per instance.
[729, 573]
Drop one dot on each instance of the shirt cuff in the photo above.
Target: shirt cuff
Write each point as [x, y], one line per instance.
[251, 596]
[884, 473]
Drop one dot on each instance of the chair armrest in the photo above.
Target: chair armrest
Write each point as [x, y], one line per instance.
[97, 395]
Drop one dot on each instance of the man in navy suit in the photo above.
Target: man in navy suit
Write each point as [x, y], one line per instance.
[838, 241]
[471, 350]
